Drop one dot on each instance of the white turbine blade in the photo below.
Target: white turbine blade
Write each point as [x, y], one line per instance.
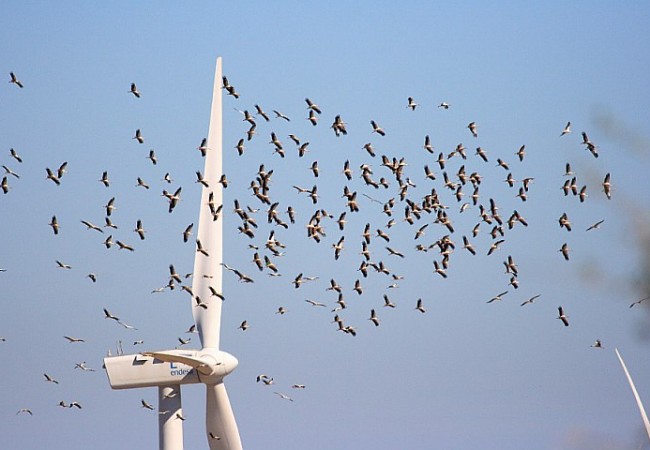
[221, 427]
[644, 416]
[207, 269]
[203, 365]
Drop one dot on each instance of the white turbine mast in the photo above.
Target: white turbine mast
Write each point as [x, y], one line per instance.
[168, 369]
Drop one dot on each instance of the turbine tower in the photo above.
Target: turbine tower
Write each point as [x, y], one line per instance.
[168, 369]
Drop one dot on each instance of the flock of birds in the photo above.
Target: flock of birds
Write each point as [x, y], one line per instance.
[423, 212]
[430, 200]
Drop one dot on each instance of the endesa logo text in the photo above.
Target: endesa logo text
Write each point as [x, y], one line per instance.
[177, 371]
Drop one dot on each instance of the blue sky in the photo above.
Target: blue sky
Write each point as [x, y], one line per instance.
[466, 374]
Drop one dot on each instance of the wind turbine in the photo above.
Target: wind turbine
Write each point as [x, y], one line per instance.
[168, 369]
[644, 416]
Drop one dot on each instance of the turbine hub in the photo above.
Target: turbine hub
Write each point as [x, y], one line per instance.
[221, 364]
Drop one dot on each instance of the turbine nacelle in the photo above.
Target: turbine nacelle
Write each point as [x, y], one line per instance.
[151, 369]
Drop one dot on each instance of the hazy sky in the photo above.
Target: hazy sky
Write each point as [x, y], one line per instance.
[464, 375]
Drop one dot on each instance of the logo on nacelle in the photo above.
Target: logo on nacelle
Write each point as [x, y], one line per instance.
[178, 371]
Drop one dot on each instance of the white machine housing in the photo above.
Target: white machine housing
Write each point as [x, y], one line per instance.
[168, 367]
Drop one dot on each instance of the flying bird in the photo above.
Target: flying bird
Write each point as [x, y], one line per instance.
[230, 89]
[590, 145]
[561, 316]
[152, 157]
[187, 232]
[387, 302]
[373, 318]
[313, 118]
[203, 146]
[521, 153]
[15, 155]
[146, 405]
[497, 297]
[279, 115]
[283, 396]
[63, 265]
[595, 225]
[531, 300]
[377, 129]
[338, 248]
[427, 145]
[314, 168]
[173, 274]
[91, 226]
[173, 198]
[339, 126]
[565, 251]
[124, 246]
[200, 179]
[503, 164]
[357, 287]
[8, 171]
[638, 302]
[315, 303]
[247, 117]
[583, 194]
[370, 149]
[108, 315]
[52, 176]
[394, 252]
[567, 170]
[494, 246]
[240, 147]
[141, 183]
[138, 136]
[564, 222]
[134, 90]
[82, 366]
[468, 246]
[109, 224]
[251, 132]
[15, 80]
[261, 112]
[472, 129]
[567, 129]
[104, 179]
[110, 206]
[312, 106]
[607, 187]
[50, 379]
[54, 224]
[411, 104]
